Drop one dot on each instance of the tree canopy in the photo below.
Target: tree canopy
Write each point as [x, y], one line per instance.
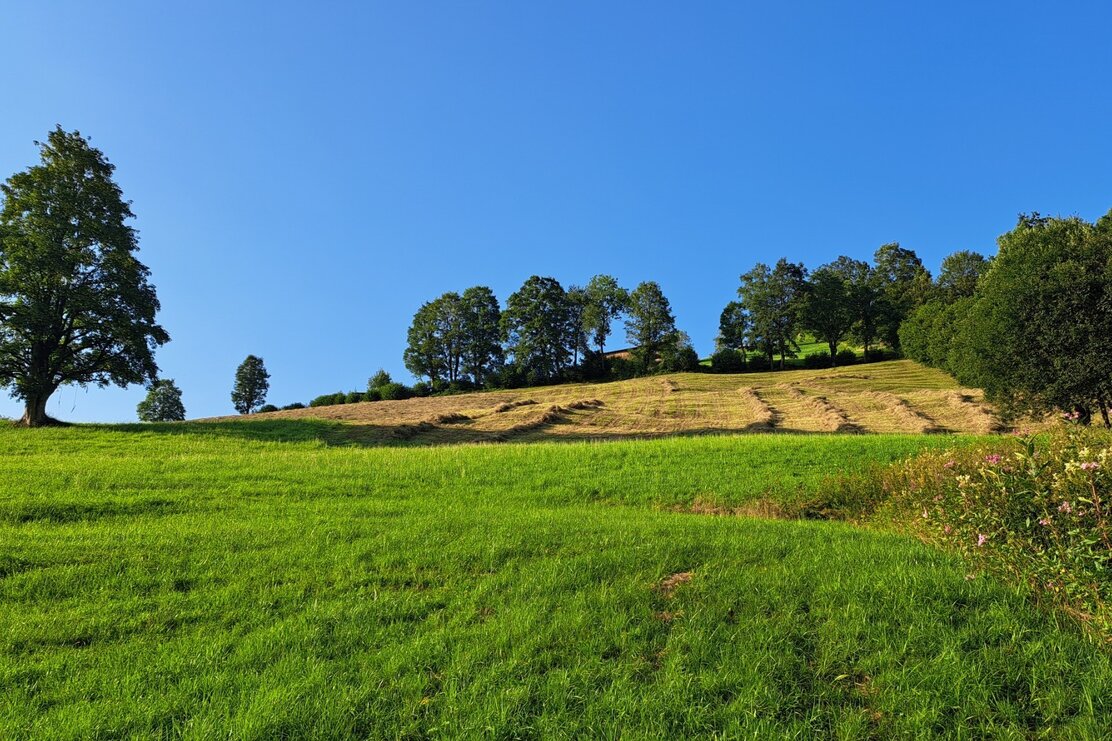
[650, 325]
[76, 306]
[251, 385]
[163, 403]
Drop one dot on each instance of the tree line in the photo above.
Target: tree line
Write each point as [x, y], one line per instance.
[1031, 326]
[846, 300]
[544, 334]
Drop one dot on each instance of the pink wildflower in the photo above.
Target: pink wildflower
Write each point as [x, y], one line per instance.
[938, 497]
[1045, 522]
[1090, 466]
[992, 459]
[949, 464]
[947, 529]
[981, 539]
[925, 513]
[1065, 507]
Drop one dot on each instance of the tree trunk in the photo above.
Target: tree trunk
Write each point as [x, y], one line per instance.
[1104, 414]
[833, 354]
[34, 412]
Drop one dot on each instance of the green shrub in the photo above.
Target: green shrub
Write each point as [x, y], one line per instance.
[759, 363]
[353, 397]
[817, 360]
[374, 394]
[267, 408]
[727, 360]
[846, 357]
[395, 392]
[420, 389]
[1039, 512]
[327, 400]
[295, 405]
[877, 354]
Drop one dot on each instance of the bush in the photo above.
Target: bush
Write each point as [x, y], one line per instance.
[727, 361]
[374, 394]
[622, 369]
[395, 392]
[266, 408]
[1037, 512]
[817, 360]
[877, 354]
[681, 359]
[421, 388]
[759, 363]
[353, 397]
[327, 400]
[295, 405]
[846, 357]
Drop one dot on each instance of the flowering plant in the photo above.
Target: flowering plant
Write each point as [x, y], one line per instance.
[1037, 508]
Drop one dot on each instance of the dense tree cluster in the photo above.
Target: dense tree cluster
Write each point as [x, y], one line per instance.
[544, 334]
[843, 300]
[1029, 326]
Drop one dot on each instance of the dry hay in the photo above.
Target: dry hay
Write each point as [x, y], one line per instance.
[586, 404]
[764, 415]
[450, 418]
[908, 417]
[551, 416]
[979, 417]
[830, 416]
[513, 405]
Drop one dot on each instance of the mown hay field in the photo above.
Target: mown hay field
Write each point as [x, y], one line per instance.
[889, 397]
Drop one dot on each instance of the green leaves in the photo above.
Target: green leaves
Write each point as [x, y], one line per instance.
[75, 304]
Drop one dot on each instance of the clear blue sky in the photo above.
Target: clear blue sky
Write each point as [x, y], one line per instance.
[306, 174]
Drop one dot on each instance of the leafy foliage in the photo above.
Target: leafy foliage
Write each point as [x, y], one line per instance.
[538, 330]
[251, 385]
[650, 325]
[76, 306]
[1037, 511]
[163, 403]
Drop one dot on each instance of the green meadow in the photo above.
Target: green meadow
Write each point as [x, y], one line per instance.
[263, 580]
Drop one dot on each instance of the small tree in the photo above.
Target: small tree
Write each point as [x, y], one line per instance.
[379, 379]
[252, 383]
[163, 403]
[960, 273]
[75, 303]
[537, 327]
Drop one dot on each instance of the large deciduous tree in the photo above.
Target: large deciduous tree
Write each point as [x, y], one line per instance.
[829, 309]
[537, 328]
[605, 302]
[435, 347]
[773, 299]
[733, 325]
[76, 306]
[482, 334]
[959, 275]
[1035, 338]
[650, 325]
[903, 285]
[251, 384]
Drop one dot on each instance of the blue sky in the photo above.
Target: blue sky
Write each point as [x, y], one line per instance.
[305, 175]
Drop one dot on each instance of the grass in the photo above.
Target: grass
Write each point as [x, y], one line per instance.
[889, 397]
[272, 579]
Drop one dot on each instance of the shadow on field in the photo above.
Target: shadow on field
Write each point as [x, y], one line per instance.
[423, 434]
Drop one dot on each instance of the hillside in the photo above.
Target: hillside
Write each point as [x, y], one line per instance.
[164, 581]
[890, 397]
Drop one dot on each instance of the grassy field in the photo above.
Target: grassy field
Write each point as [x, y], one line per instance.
[272, 579]
[890, 397]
